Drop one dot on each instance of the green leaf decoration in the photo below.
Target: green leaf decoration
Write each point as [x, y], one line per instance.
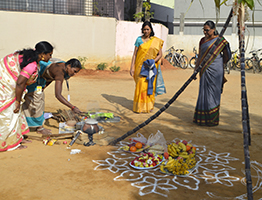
[217, 2]
[249, 3]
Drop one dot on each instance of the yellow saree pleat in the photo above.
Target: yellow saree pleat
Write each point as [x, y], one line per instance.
[148, 50]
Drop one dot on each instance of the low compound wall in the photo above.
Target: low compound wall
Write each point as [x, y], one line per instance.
[98, 39]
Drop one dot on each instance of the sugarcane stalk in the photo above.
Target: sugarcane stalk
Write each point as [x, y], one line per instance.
[245, 113]
[161, 110]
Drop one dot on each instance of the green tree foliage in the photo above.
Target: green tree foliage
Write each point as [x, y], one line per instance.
[147, 14]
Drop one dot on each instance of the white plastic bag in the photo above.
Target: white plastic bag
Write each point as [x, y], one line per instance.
[158, 138]
[139, 138]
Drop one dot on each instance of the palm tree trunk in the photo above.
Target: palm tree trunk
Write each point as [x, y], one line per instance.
[245, 113]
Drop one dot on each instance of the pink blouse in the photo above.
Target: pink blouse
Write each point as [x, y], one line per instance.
[29, 71]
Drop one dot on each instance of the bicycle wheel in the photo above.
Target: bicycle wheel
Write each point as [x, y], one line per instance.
[174, 62]
[236, 65]
[255, 66]
[192, 62]
[227, 67]
[260, 64]
[168, 57]
[249, 64]
[183, 62]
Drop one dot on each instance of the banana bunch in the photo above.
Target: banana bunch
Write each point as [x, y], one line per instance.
[178, 166]
[125, 148]
[181, 150]
[173, 149]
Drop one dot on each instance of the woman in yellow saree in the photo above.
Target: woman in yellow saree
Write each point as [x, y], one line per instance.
[147, 47]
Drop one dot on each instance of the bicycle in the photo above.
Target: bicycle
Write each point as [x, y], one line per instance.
[254, 61]
[192, 61]
[169, 55]
[233, 63]
[177, 59]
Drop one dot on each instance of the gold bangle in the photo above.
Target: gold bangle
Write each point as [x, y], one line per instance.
[17, 101]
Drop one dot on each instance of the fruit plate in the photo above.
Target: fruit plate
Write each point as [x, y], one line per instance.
[146, 167]
[171, 174]
[137, 151]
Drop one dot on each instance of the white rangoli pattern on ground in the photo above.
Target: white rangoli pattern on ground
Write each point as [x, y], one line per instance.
[211, 167]
[152, 185]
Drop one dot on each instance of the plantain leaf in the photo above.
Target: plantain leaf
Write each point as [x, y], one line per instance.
[217, 2]
[201, 5]
[250, 3]
[191, 5]
[224, 2]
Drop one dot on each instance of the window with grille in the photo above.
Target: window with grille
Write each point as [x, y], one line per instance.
[69, 7]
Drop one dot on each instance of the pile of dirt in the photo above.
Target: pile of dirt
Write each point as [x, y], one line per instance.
[166, 65]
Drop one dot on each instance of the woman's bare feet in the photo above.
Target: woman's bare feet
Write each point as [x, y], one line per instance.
[43, 131]
[26, 141]
[21, 147]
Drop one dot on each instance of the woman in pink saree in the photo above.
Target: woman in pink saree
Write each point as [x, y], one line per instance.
[17, 70]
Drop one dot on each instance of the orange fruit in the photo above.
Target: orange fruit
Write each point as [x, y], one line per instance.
[139, 145]
[132, 149]
[188, 148]
[194, 148]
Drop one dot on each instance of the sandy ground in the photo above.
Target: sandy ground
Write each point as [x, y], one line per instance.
[101, 172]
